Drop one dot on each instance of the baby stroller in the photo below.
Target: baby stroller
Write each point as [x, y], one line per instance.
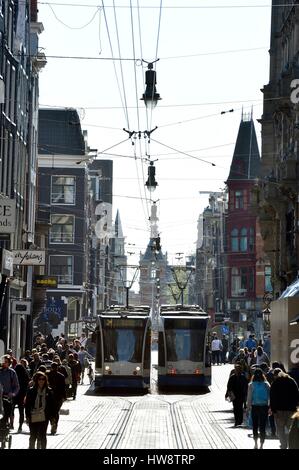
[5, 437]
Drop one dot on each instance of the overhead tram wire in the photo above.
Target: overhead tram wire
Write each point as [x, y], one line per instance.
[184, 153]
[180, 7]
[121, 67]
[125, 109]
[124, 59]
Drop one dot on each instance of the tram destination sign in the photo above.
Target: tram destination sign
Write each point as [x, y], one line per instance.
[29, 257]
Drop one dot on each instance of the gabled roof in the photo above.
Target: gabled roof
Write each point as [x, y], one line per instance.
[246, 160]
[150, 255]
[60, 132]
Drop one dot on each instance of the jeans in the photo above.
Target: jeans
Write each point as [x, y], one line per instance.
[216, 357]
[38, 432]
[283, 423]
[259, 416]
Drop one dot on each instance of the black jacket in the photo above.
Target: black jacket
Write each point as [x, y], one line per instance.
[238, 385]
[284, 394]
[30, 402]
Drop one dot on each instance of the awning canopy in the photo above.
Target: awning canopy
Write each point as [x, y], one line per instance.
[295, 321]
[291, 291]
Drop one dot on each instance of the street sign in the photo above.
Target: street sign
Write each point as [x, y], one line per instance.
[21, 307]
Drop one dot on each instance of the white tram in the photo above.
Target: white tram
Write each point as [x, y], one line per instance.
[183, 357]
[123, 348]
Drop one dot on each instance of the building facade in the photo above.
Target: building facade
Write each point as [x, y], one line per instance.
[276, 194]
[20, 64]
[75, 201]
[246, 263]
[211, 275]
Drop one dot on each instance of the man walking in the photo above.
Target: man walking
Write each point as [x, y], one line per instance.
[284, 399]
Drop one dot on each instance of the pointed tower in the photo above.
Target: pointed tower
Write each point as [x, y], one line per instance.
[154, 275]
[244, 258]
[119, 261]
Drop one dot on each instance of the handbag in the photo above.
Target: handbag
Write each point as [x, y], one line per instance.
[231, 396]
[38, 416]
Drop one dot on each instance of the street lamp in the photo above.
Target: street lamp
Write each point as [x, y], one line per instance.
[266, 316]
[151, 183]
[150, 96]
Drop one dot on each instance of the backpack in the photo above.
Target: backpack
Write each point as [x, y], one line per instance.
[260, 393]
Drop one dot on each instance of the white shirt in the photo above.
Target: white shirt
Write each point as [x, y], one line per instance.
[216, 345]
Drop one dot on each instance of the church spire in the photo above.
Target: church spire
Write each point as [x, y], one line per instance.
[246, 160]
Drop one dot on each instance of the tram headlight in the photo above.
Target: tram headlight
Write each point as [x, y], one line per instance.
[107, 368]
[197, 371]
[138, 368]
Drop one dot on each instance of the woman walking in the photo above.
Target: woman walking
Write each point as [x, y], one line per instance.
[258, 399]
[39, 409]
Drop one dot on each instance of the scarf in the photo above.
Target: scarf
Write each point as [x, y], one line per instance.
[40, 401]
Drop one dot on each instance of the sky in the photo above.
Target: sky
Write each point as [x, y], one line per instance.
[213, 57]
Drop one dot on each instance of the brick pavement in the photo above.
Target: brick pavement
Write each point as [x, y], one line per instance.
[152, 421]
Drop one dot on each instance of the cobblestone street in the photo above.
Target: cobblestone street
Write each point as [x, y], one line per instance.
[152, 421]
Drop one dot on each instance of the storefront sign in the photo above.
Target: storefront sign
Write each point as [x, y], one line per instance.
[29, 257]
[46, 282]
[21, 307]
[7, 215]
[7, 263]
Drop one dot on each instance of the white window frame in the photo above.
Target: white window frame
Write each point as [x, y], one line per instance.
[72, 275]
[53, 203]
[73, 233]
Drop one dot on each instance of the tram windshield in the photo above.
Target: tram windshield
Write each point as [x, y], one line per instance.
[185, 339]
[123, 339]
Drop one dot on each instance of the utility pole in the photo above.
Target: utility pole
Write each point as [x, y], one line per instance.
[181, 285]
[128, 284]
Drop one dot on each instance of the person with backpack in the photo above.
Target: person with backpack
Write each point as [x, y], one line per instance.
[258, 398]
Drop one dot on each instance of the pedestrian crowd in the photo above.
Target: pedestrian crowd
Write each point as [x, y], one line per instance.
[263, 394]
[39, 383]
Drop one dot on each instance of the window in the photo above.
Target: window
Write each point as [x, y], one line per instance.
[235, 282]
[268, 285]
[63, 190]
[62, 230]
[239, 200]
[251, 239]
[243, 240]
[62, 267]
[235, 239]
[242, 281]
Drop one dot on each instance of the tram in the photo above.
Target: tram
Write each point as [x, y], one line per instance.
[123, 348]
[183, 356]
